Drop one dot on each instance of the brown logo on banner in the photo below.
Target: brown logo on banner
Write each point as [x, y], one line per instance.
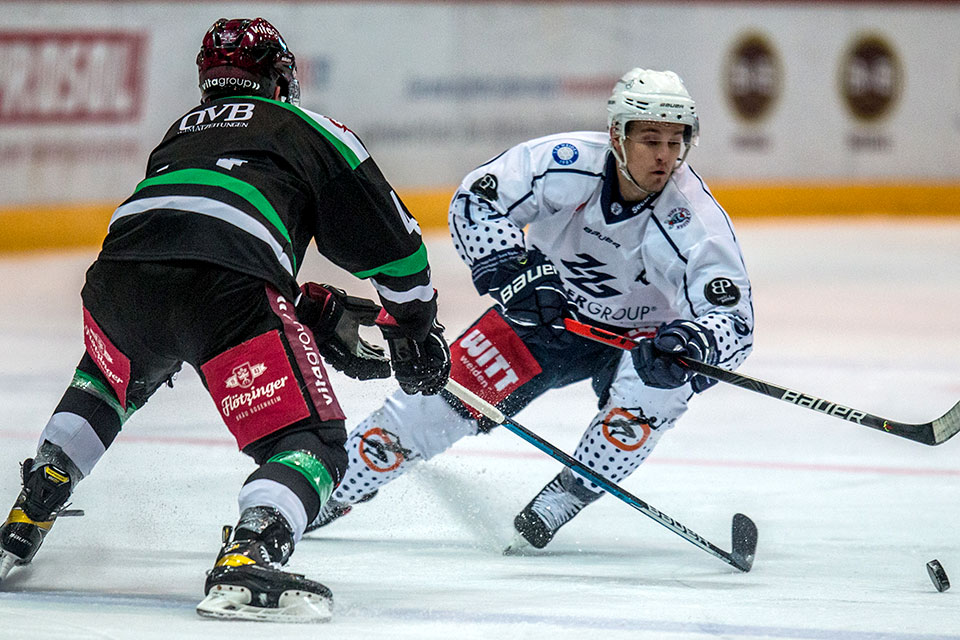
[70, 76]
[871, 78]
[753, 76]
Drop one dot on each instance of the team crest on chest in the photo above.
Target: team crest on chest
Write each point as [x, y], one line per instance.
[565, 153]
[679, 217]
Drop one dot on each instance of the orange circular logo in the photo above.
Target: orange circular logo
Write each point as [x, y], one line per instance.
[381, 450]
[624, 430]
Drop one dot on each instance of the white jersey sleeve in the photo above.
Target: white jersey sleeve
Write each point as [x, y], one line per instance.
[520, 187]
[692, 252]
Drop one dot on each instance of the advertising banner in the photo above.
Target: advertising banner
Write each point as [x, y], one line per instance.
[831, 93]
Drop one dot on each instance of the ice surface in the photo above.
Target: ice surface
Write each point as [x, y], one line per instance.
[860, 313]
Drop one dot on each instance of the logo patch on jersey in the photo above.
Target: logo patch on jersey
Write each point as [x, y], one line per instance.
[588, 278]
[380, 450]
[255, 401]
[618, 211]
[244, 375]
[303, 345]
[601, 237]
[678, 218]
[625, 430]
[114, 366]
[565, 153]
[721, 291]
[491, 360]
[229, 163]
[234, 114]
[486, 187]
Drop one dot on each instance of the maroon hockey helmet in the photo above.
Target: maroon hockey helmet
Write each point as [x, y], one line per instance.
[246, 57]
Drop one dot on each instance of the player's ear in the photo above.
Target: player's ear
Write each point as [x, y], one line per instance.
[615, 141]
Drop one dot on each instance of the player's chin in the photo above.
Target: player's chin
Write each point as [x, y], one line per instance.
[656, 180]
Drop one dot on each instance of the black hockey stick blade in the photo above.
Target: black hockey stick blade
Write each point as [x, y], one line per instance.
[930, 433]
[744, 531]
[744, 542]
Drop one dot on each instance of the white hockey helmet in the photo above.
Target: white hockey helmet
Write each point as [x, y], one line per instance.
[652, 96]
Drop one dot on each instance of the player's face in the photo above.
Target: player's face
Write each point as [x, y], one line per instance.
[651, 151]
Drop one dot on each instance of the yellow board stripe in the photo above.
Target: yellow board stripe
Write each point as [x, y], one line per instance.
[763, 200]
[52, 227]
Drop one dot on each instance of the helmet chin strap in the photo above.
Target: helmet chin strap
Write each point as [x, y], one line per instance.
[625, 171]
[622, 166]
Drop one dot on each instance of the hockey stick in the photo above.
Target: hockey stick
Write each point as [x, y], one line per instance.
[931, 433]
[744, 531]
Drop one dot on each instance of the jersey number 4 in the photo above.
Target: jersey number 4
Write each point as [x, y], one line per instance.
[409, 223]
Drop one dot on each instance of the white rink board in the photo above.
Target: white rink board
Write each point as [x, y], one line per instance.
[434, 89]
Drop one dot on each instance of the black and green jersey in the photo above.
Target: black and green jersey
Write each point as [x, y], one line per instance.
[246, 183]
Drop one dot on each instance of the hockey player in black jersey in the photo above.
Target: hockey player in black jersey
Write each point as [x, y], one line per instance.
[200, 266]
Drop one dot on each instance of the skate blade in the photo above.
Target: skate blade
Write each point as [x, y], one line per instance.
[7, 562]
[233, 603]
[520, 547]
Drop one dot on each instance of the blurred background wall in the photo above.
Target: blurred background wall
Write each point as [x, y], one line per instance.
[807, 108]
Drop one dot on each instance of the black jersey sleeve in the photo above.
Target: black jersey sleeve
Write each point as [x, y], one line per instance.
[364, 228]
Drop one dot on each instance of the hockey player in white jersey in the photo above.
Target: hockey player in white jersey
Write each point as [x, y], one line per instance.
[613, 228]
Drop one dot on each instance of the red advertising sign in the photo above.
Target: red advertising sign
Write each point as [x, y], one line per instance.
[69, 77]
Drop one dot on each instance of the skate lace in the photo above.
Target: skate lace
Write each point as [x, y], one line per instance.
[555, 506]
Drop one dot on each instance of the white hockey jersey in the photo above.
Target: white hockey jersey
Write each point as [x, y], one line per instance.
[625, 265]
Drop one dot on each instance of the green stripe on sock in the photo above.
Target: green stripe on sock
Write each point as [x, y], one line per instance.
[87, 383]
[311, 468]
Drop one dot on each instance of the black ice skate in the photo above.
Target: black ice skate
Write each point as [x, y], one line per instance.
[246, 581]
[45, 490]
[552, 508]
[333, 510]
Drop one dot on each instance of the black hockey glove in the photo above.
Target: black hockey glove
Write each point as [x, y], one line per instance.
[654, 358]
[419, 366]
[531, 293]
[335, 319]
